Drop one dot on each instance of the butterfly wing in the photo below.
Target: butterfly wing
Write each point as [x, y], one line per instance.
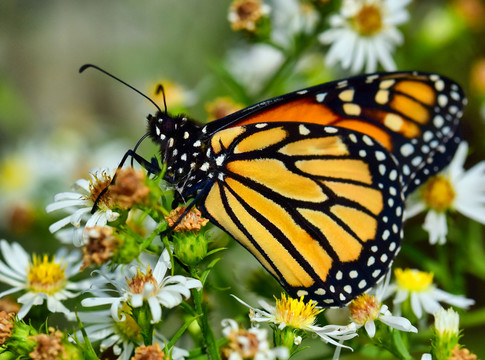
[413, 115]
[320, 207]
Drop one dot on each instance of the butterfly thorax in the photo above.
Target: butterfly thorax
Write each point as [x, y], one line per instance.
[181, 150]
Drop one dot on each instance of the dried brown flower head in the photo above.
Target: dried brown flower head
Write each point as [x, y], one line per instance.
[49, 346]
[137, 283]
[245, 14]
[461, 354]
[192, 221]
[6, 325]
[129, 188]
[151, 352]
[101, 244]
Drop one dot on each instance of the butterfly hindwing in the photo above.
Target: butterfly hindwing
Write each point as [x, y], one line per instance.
[413, 115]
[319, 206]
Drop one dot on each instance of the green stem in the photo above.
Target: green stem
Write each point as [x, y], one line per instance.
[143, 319]
[301, 43]
[393, 342]
[207, 333]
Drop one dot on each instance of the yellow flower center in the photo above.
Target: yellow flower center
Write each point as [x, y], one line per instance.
[413, 280]
[438, 193]
[128, 329]
[295, 313]
[364, 308]
[175, 95]
[244, 14]
[14, 174]
[368, 21]
[45, 276]
[137, 283]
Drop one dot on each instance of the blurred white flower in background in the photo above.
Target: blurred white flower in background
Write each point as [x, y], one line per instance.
[365, 33]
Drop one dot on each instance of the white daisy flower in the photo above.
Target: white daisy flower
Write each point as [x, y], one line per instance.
[367, 308]
[423, 294]
[123, 336]
[80, 204]
[252, 65]
[249, 344]
[299, 315]
[365, 33]
[447, 322]
[246, 14]
[290, 18]
[137, 286]
[452, 189]
[40, 278]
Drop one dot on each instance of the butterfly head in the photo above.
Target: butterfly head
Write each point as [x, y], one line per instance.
[180, 149]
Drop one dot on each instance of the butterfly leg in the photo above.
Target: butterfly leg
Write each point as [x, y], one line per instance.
[151, 166]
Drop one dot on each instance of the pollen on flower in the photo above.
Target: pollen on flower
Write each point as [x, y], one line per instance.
[413, 280]
[241, 342]
[137, 282]
[221, 107]
[438, 193]
[45, 276]
[100, 246]
[129, 188]
[151, 352]
[6, 325]
[128, 328]
[192, 221]
[245, 14]
[295, 312]
[364, 308]
[97, 184]
[49, 346]
[368, 20]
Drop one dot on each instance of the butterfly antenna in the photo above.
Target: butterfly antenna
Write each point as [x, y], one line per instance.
[159, 90]
[138, 144]
[86, 66]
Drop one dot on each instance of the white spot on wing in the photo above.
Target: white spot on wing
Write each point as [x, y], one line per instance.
[407, 149]
[442, 100]
[320, 97]
[301, 293]
[439, 85]
[303, 130]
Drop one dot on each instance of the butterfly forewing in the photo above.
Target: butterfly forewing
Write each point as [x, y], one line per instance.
[413, 115]
[319, 206]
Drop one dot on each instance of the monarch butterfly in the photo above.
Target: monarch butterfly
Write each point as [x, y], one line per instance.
[313, 182]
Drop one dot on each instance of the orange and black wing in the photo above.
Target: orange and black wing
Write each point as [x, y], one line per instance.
[320, 207]
[413, 115]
